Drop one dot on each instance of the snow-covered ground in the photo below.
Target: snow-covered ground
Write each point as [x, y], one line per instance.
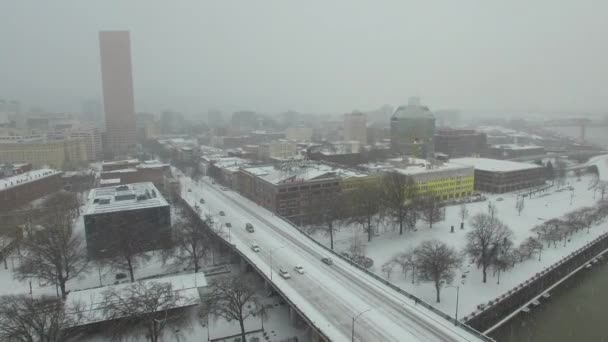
[329, 296]
[473, 291]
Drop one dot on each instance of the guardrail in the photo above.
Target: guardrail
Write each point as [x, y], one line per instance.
[416, 300]
[258, 270]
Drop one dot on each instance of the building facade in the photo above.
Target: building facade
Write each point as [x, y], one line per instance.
[19, 190]
[57, 154]
[457, 143]
[412, 130]
[511, 151]
[117, 84]
[135, 213]
[355, 128]
[500, 176]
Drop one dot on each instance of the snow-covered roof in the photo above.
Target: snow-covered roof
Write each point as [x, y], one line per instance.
[517, 147]
[124, 197]
[120, 162]
[300, 172]
[26, 177]
[494, 165]
[92, 300]
[109, 181]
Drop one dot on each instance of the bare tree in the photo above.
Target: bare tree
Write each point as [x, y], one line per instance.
[53, 253]
[527, 248]
[406, 260]
[430, 209]
[365, 205]
[399, 194]
[560, 172]
[387, 268]
[602, 186]
[191, 243]
[436, 262]
[519, 205]
[326, 213]
[483, 241]
[151, 304]
[27, 319]
[504, 258]
[492, 210]
[463, 212]
[357, 247]
[231, 299]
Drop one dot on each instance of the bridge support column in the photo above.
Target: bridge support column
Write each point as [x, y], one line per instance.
[293, 316]
[243, 265]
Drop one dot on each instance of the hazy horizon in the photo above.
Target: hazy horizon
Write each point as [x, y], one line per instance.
[315, 57]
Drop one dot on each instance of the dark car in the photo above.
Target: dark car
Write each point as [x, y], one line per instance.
[328, 261]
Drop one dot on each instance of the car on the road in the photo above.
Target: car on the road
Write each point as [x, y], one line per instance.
[189, 190]
[255, 247]
[222, 213]
[283, 272]
[202, 201]
[299, 269]
[228, 224]
[499, 199]
[249, 228]
[224, 188]
[327, 261]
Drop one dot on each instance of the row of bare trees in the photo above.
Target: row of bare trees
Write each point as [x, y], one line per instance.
[395, 197]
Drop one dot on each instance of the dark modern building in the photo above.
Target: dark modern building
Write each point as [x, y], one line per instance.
[22, 188]
[412, 130]
[460, 142]
[135, 213]
[117, 84]
[499, 176]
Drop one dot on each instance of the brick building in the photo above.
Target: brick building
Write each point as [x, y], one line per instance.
[132, 171]
[460, 142]
[136, 211]
[499, 176]
[20, 189]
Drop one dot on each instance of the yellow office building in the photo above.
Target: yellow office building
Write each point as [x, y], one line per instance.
[56, 154]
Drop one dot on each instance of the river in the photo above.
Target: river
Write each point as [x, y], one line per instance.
[576, 311]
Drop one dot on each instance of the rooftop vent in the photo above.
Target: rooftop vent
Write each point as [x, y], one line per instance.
[104, 201]
[122, 188]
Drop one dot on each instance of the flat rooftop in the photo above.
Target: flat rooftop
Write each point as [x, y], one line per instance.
[121, 162]
[134, 196]
[517, 147]
[298, 172]
[494, 165]
[26, 177]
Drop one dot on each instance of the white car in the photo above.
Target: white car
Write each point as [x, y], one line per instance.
[255, 247]
[299, 269]
[284, 273]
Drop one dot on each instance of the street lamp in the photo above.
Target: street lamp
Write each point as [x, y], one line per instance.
[272, 250]
[352, 334]
[457, 287]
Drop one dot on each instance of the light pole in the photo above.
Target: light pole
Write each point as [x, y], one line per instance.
[457, 287]
[352, 334]
[272, 250]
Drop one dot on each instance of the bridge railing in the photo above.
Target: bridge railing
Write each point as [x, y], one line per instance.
[417, 300]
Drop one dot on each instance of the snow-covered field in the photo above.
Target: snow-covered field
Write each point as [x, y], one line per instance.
[473, 291]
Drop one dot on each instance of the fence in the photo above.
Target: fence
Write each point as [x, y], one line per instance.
[536, 285]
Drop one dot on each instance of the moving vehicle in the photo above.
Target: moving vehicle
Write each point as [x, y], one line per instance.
[222, 213]
[224, 188]
[202, 201]
[228, 224]
[255, 247]
[283, 272]
[189, 190]
[299, 269]
[327, 260]
[249, 228]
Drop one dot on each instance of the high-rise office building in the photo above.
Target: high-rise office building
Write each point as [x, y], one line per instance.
[355, 127]
[117, 78]
[412, 130]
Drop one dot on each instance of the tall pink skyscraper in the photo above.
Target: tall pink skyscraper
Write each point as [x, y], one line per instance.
[117, 78]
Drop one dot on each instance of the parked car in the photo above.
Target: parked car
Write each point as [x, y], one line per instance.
[228, 224]
[249, 228]
[328, 261]
[299, 269]
[224, 188]
[284, 273]
[202, 201]
[255, 247]
[222, 213]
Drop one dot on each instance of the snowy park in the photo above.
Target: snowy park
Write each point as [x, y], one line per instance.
[537, 209]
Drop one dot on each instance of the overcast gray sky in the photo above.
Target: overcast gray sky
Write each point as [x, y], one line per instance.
[314, 55]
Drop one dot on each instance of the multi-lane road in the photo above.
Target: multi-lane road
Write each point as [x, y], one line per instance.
[328, 295]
